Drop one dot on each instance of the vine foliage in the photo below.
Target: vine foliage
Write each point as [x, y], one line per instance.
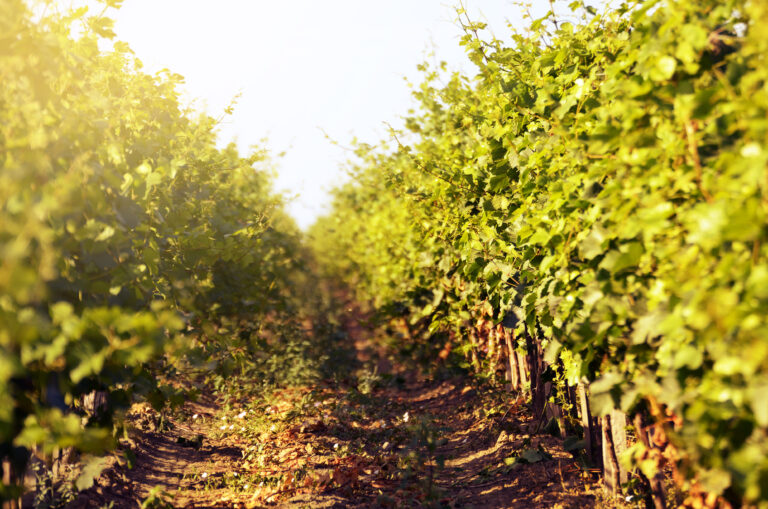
[598, 185]
[130, 244]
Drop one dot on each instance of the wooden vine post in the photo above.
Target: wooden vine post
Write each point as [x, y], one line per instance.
[513, 371]
[591, 432]
[11, 478]
[554, 411]
[535, 367]
[614, 438]
[517, 375]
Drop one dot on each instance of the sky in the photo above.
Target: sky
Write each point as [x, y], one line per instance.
[304, 69]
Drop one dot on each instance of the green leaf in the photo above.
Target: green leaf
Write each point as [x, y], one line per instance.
[592, 245]
[647, 326]
[688, 356]
[572, 443]
[552, 351]
[61, 311]
[105, 234]
[91, 470]
[627, 256]
[535, 455]
[90, 365]
[759, 404]
[664, 68]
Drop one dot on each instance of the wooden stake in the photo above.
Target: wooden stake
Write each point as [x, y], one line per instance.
[514, 372]
[610, 465]
[10, 478]
[522, 363]
[534, 365]
[619, 437]
[587, 423]
[556, 412]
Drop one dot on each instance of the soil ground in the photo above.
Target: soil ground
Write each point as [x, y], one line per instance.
[386, 437]
[411, 443]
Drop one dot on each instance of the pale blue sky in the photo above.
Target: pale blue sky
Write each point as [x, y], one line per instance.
[302, 66]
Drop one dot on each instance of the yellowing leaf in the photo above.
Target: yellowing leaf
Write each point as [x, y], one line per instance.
[664, 68]
[105, 234]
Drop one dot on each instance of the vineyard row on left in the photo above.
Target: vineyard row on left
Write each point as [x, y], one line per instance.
[126, 236]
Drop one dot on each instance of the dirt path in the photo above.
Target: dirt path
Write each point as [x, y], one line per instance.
[409, 442]
[477, 446]
[445, 425]
[383, 436]
[166, 465]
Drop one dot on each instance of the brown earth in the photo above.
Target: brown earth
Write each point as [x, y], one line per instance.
[392, 438]
[342, 448]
